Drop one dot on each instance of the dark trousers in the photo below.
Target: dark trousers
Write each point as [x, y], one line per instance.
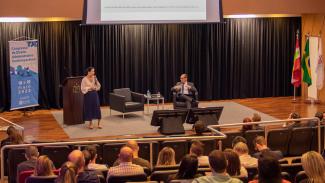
[187, 99]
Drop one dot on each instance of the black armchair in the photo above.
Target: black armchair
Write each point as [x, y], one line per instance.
[125, 101]
[179, 104]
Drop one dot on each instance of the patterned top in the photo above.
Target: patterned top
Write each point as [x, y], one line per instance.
[87, 84]
[125, 168]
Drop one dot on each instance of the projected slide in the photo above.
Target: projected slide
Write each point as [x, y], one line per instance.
[147, 10]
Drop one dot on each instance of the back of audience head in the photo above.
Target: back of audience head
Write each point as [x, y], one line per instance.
[31, 152]
[256, 117]
[126, 154]
[241, 148]
[68, 173]
[314, 166]
[14, 135]
[218, 161]
[259, 143]
[269, 170]
[199, 128]
[188, 167]
[133, 145]
[93, 152]
[87, 157]
[197, 148]
[77, 157]
[238, 139]
[319, 115]
[247, 127]
[294, 115]
[166, 157]
[44, 167]
[233, 165]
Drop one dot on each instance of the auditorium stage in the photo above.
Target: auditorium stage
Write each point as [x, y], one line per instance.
[43, 126]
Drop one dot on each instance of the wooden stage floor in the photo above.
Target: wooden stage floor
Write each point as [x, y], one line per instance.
[42, 126]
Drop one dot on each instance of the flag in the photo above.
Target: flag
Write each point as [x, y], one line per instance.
[306, 64]
[296, 69]
[320, 66]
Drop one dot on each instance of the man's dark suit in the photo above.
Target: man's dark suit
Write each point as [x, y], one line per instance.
[187, 98]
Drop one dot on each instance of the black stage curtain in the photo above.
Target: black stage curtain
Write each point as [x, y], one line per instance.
[237, 59]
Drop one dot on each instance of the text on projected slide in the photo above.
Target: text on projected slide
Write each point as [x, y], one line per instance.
[133, 10]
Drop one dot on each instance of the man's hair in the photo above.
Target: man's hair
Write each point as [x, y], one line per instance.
[241, 148]
[31, 151]
[199, 127]
[259, 140]
[256, 117]
[319, 115]
[294, 115]
[126, 154]
[133, 145]
[87, 157]
[217, 161]
[92, 151]
[238, 139]
[185, 75]
[197, 148]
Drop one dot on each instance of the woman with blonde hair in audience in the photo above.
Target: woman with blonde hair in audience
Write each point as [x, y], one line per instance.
[166, 157]
[314, 166]
[68, 173]
[44, 167]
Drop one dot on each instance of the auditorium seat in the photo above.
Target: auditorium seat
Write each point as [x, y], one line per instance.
[279, 140]
[24, 175]
[250, 135]
[110, 153]
[162, 175]
[180, 147]
[252, 172]
[41, 179]
[292, 169]
[58, 154]
[300, 141]
[129, 178]
[170, 167]
[15, 156]
[300, 176]
[314, 143]
[227, 142]
[144, 151]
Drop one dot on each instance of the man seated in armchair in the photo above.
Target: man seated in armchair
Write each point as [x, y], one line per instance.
[185, 91]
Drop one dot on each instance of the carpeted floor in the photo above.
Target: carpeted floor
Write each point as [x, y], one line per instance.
[137, 123]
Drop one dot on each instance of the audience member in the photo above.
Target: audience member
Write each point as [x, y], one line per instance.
[187, 169]
[313, 123]
[197, 149]
[257, 118]
[199, 128]
[269, 171]
[234, 167]
[68, 173]
[125, 167]
[295, 124]
[14, 137]
[238, 139]
[136, 159]
[260, 145]
[31, 155]
[314, 166]
[166, 157]
[247, 127]
[88, 159]
[44, 167]
[218, 164]
[83, 176]
[246, 160]
[91, 163]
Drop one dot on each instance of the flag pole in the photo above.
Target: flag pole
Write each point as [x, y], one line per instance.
[294, 100]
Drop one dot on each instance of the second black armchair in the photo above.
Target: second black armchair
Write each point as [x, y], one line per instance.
[125, 101]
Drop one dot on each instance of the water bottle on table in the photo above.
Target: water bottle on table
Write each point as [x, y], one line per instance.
[148, 94]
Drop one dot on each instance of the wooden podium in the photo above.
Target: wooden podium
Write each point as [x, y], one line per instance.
[72, 101]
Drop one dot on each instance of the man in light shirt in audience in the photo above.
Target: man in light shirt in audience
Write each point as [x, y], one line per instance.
[246, 160]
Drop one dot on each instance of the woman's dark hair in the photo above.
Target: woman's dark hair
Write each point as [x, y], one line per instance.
[247, 127]
[269, 170]
[87, 157]
[188, 167]
[14, 135]
[233, 168]
[89, 69]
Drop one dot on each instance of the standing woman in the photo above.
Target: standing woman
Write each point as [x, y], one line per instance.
[89, 87]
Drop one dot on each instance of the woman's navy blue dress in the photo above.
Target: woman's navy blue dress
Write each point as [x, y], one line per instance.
[91, 106]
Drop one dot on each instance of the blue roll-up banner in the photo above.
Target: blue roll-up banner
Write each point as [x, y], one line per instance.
[24, 73]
